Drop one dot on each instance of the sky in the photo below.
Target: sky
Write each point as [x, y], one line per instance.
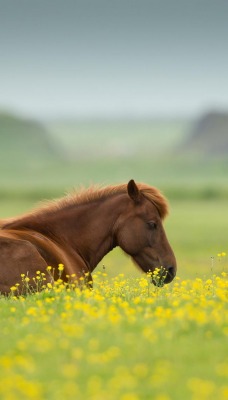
[113, 58]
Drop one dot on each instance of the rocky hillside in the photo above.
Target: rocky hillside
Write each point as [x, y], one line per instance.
[209, 135]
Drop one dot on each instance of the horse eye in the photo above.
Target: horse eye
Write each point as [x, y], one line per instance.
[152, 225]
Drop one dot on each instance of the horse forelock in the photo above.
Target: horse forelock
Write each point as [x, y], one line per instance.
[156, 197]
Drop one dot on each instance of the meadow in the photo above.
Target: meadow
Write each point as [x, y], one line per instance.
[125, 339]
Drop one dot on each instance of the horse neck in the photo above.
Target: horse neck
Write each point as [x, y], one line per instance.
[89, 229]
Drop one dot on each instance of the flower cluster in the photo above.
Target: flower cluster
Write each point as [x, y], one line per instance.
[125, 339]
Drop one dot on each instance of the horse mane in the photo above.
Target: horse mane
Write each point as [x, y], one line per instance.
[96, 193]
[92, 194]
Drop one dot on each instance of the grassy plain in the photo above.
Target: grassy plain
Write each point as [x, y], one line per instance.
[125, 340]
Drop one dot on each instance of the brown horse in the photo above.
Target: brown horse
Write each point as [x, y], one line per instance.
[80, 229]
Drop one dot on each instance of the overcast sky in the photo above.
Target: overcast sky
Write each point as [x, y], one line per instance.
[113, 57]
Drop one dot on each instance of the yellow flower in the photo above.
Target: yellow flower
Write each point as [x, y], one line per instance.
[143, 283]
[61, 267]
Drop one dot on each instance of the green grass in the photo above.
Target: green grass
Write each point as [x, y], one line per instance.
[59, 345]
[124, 340]
[179, 179]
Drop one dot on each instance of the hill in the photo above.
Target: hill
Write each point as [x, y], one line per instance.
[209, 135]
[24, 141]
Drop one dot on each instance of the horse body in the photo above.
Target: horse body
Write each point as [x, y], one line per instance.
[79, 231]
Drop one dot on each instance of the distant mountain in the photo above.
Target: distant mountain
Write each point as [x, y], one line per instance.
[209, 135]
[24, 140]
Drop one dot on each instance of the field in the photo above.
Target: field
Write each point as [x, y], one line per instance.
[125, 339]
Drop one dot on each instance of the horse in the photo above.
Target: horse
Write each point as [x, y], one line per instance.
[79, 229]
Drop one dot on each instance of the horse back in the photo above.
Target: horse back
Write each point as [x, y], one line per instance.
[26, 252]
[17, 257]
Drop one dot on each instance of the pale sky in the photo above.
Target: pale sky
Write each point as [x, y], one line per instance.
[113, 57]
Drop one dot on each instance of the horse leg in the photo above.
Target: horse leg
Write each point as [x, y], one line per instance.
[18, 257]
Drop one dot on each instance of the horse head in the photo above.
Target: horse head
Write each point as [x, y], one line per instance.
[140, 233]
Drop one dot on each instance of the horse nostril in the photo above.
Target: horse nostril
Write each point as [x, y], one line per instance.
[171, 271]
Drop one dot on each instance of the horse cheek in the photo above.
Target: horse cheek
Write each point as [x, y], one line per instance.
[129, 241]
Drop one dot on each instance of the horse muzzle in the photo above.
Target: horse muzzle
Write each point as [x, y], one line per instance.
[170, 274]
[163, 276]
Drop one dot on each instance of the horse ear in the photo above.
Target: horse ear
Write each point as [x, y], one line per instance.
[133, 191]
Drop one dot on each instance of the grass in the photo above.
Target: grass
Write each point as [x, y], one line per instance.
[196, 230]
[124, 340]
[178, 179]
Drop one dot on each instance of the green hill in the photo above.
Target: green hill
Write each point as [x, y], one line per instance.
[23, 141]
